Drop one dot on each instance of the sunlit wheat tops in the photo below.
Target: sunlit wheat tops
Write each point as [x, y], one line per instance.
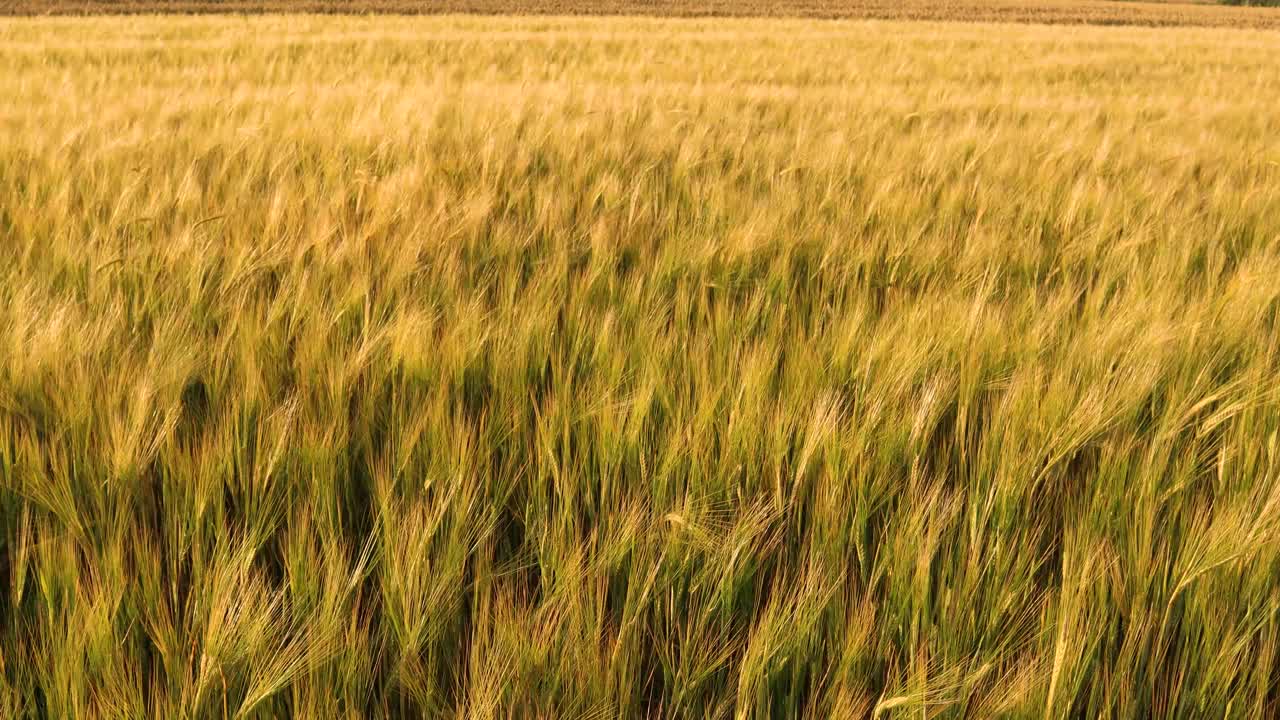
[1159, 13]
[470, 368]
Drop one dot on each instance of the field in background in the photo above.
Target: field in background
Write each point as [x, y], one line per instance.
[488, 367]
[1093, 12]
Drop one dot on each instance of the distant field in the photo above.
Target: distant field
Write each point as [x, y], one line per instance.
[1096, 12]
[615, 368]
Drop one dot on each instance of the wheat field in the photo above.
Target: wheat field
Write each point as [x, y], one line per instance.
[605, 368]
[1200, 13]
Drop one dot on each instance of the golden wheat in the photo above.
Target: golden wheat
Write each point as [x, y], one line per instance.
[547, 367]
[1092, 12]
